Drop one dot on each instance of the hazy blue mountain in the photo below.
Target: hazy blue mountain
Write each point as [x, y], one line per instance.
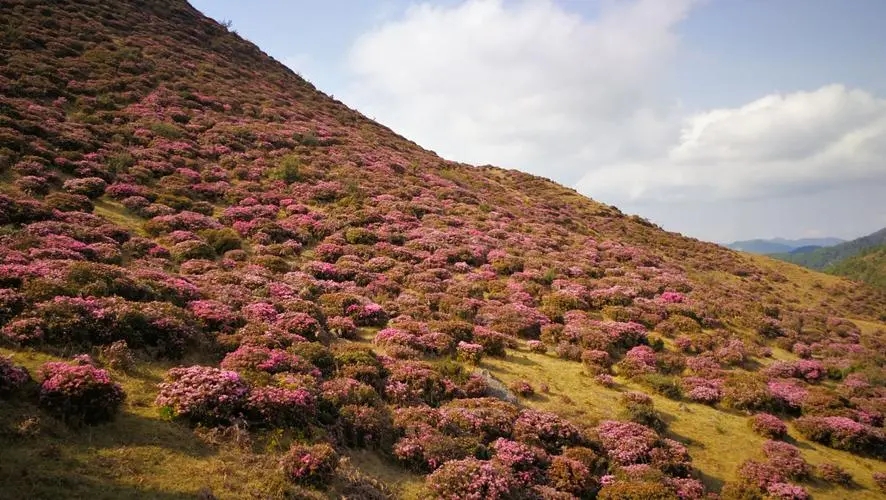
[781, 245]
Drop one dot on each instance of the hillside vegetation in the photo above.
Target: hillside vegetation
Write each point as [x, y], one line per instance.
[869, 266]
[218, 282]
[822, 258]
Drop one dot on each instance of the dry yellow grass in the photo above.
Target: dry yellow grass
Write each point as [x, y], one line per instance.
[719, 441]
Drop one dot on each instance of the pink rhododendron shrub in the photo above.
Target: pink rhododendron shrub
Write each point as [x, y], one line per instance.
[367, 314]
[202, 394]
[747, 391]
[472, 479]
[298, 323]
[250, 358]
[786, 458]
[702, 390]
[769, 426]
[627, 442]
[570, 475]
[342, 327]
[488, 418]
[24, 331]
[788, 393]
[280, 407]
[638, 361]
[343, 391]
[312, 465]
[469, 353]
[522, 388]
[787, 491]
[880, 480]
[214, 315]
[426, 449]
[415, 382]
[365, 426]
[834, 474]
[547, 430]
[842, 433]
[537, 346]
[91, 187]
[12, 378]
[79, 393]
[687, 488]
[760, 474]
[526, 462]
[493, 342]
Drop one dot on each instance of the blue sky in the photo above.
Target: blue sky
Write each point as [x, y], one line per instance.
[720, 119]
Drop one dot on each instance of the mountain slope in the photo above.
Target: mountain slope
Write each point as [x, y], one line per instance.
[172, 197]
[822, 258]
[781, 245]
[868, 266]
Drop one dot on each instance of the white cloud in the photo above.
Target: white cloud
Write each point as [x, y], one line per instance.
[589, 102]
[776, 145]
[525, 85]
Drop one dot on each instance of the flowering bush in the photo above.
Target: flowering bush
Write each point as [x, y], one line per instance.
[118, 356]
[537, 346]
[280, 407]
[472, 479]
[880, 480]
[638, 407]
[768, 426]
[469, 353]
[488, 418]
[311, 465]
[788, 393]
[342, 327]
[627, 442]
[91, 187]
[702, 390]
[250, 358]
[298, 323]
[570, 475]
[202, 394]
[365, 425]
[411, 382]
[605, 380]
[786, 458]
[833, 473]
[787, 491]
[547, 430]
[842, 433]
[522, 388]
[526, 462]
[746, 391]
[343, 391]
[637, 361]
[79, 393]
[493, 342]
[426, 449]
[12, 377]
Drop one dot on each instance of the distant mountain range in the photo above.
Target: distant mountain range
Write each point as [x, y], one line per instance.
[782, 245]
[823, 258]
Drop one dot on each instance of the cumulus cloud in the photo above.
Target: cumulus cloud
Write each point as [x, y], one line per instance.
[777, 145]
[589, 101]
[526, 85]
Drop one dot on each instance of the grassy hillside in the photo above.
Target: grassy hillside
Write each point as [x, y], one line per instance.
[869, 266]
[218, 282]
